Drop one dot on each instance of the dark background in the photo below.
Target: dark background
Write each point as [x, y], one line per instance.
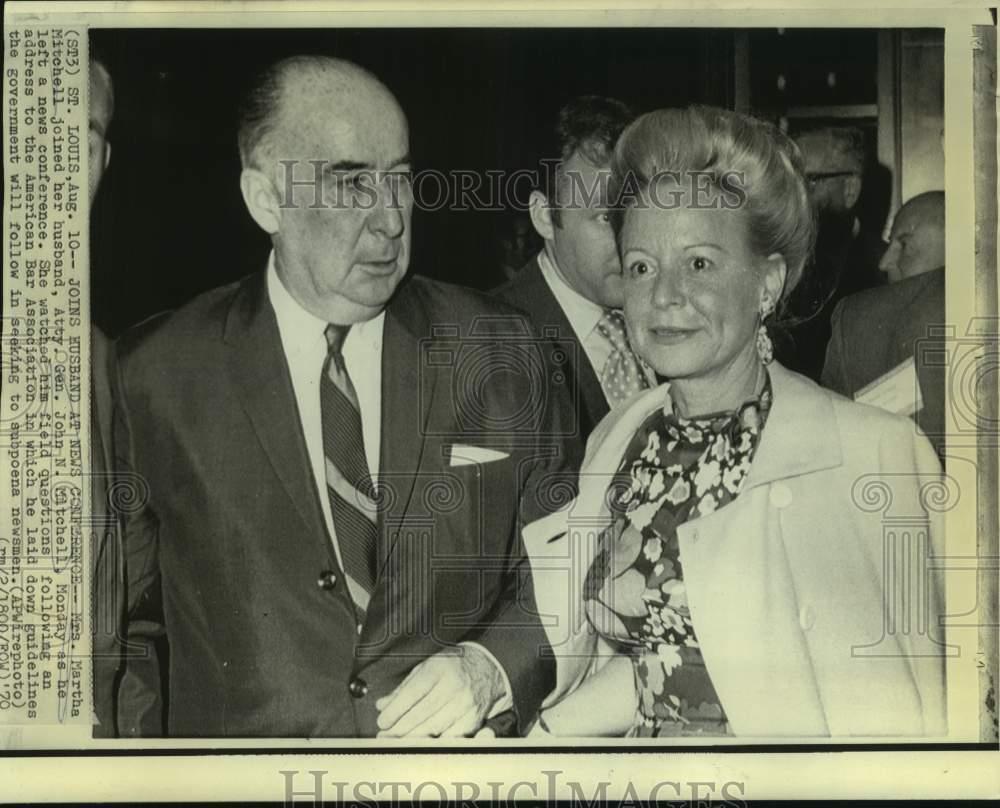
[169, 221]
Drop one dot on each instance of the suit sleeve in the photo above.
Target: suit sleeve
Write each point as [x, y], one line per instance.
[140, 697]
[834, 375]
[516, 637]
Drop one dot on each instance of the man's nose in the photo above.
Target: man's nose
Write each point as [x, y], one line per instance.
[888, 262]
[386, 216]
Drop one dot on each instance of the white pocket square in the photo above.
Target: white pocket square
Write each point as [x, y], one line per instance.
[462, 455]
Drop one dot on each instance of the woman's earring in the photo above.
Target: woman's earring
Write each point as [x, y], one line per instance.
[765, 348]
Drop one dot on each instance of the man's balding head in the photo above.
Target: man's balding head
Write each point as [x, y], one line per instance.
[298, 94]
[916, 243]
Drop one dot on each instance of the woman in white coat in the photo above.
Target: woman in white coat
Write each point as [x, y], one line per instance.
[748, 553]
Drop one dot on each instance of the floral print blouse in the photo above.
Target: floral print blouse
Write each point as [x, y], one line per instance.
[675, 470]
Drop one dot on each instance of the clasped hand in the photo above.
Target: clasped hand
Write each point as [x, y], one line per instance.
[447, 695]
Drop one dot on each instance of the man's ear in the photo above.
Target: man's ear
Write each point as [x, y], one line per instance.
[261, 200]
[852, 190]
[775, 271]
[541, 215]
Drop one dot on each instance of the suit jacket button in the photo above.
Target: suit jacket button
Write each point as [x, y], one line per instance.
[807, 618]
[327, 580]
[358, 688]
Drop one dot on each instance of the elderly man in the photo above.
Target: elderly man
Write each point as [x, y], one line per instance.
[846, 256]
[883, 336]
[337, 468]
[573, 287]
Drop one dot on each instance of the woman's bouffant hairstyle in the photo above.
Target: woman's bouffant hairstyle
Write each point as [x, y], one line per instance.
[734, 150]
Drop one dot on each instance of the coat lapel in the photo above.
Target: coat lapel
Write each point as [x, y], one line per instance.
[549, 313]
[801, 432]
[408, 386]
[261, 374]
[797, 440]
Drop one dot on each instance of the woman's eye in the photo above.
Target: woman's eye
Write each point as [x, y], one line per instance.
[604, 217]
[638, 268]
[698, 263]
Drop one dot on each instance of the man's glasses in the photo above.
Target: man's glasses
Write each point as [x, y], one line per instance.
[818, 177]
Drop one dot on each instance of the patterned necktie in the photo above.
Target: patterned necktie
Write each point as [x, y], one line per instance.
[623, 375]
[348, 478]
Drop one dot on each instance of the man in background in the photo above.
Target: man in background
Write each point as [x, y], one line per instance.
[517, 243]
[107, 584]
[888, 328]
[573, 288]
[845, 256]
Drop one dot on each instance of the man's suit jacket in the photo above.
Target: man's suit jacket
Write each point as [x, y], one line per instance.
[108, 579]
[530, 293]
[205, 412]
[876, 330]
[120, 693]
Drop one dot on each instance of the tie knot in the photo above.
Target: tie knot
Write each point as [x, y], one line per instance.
[335, 336]
[612, 326]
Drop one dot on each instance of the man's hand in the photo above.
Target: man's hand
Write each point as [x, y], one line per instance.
[448, 694]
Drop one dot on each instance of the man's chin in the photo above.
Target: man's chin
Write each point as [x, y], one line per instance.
[375, 289]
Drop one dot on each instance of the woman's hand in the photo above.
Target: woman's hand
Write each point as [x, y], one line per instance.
[603, 706]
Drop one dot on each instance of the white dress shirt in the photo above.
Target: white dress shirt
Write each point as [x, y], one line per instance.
[303, 341]
[584, 316]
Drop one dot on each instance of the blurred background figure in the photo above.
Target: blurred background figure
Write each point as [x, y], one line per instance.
[102, 109]
[916, 241]
[846, 253]
[105, 541]
[517, 243]
[885, 329]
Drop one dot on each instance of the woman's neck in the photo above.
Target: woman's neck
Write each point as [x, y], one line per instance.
[721, 391]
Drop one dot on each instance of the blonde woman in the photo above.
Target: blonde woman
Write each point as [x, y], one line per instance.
[728, 573]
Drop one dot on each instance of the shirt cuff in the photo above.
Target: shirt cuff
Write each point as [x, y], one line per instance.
[506, 701]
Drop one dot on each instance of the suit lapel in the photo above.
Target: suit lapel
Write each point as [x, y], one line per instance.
[588, 385]
[408, 386]
[261, 374]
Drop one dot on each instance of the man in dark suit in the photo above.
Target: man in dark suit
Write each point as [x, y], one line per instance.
[107, 583]
[338, 465]
[846, 255]
[881, 329]
[573, 288]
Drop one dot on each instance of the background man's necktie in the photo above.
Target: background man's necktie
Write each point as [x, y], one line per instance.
[622, 375]
[348, 478]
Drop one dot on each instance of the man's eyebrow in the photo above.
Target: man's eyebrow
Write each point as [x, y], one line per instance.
[347, 165]
[357, 165]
